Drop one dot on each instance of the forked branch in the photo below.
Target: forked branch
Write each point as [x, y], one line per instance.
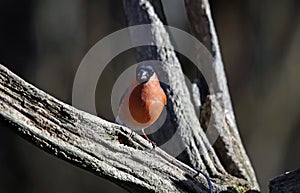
[106, 149]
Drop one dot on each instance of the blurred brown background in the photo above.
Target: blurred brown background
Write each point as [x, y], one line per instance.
[44, 42]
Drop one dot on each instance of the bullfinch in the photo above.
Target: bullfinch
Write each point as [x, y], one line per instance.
[143, 102]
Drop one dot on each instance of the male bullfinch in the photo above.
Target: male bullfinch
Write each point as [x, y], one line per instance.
[143, 102]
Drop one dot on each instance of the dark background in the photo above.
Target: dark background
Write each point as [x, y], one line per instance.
[44, 42]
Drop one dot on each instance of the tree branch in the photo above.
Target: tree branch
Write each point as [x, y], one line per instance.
[90, 142]
[228, 147]
[198, 153]
[191, 136]
[106, 149]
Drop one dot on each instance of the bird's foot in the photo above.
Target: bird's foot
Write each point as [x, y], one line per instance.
[131, 135]
[152, 143]
[146, 137]
[149, 140]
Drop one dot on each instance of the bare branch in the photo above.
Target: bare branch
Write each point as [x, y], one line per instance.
[228, 147]
[90, 142]
[106, 149]
[182, 117]
[199, 152]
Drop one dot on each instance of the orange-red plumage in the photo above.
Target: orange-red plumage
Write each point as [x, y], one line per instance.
[142, 104]
[147, 101]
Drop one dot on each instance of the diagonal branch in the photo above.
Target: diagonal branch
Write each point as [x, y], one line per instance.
[228, 147]
[106, 149]
[90, 142]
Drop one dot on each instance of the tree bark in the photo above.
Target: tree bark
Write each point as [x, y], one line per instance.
[228, 147]
[106, 149]
[90, 142]
[227, 159]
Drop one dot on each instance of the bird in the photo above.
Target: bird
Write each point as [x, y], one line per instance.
[143, 101]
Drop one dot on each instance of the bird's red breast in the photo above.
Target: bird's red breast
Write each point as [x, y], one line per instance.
[142, 104]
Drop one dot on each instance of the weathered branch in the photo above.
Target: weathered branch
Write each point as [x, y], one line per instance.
[198, 150]
[92, 143]
[106, 149]
[186, 123]
[228, 147]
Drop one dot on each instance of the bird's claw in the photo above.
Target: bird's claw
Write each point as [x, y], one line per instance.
[153, 144]
[131, 134]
